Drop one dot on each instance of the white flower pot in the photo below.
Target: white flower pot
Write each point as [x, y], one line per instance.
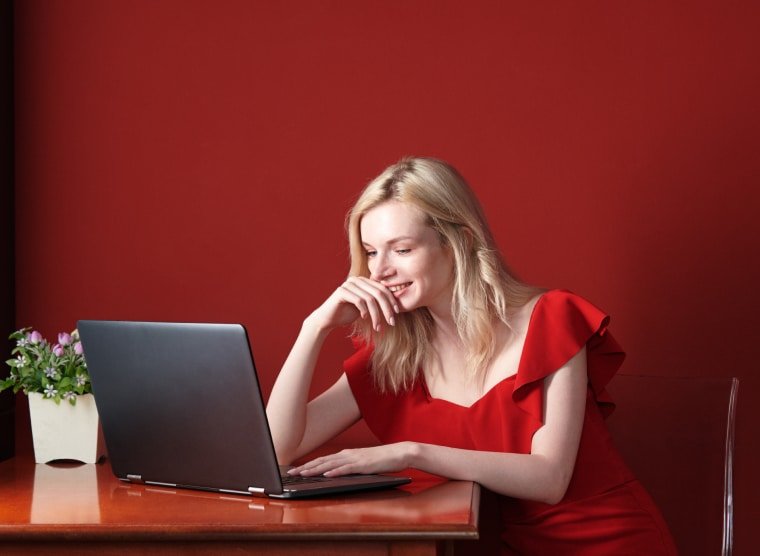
[65, 431]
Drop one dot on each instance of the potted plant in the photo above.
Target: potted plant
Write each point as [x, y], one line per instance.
[48, 375]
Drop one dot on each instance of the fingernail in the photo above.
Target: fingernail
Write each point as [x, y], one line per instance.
[395, 308]
[393, 321]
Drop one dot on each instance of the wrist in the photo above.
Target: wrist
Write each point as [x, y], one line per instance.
[412, 454]
[313, 326]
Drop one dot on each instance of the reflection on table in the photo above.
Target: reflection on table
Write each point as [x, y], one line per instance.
[86, 503]
[76, 484]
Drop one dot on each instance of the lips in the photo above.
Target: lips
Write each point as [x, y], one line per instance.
[399, 287]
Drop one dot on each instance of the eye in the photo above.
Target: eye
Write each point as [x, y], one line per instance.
[403, 251]
[371, 254]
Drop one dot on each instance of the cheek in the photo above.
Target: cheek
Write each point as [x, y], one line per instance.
[419, 269]
[371, 265]
[444, 271]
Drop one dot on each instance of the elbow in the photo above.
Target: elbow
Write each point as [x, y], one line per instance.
[555, 489]
[284, 459]
[285, 445]
[284, 454]
[286, 436]
[552, 498]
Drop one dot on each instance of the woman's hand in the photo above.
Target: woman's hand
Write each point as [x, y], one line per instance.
[296, 431]
[357, 297]
[377, 459]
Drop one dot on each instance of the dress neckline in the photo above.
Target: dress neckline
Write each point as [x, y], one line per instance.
[496, 386]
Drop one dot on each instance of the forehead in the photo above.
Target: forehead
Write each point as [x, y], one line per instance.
[391, 220]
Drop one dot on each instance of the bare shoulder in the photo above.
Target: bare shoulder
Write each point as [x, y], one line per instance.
[519, 317]
[511, 341]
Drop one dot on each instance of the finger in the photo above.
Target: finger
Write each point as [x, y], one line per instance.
[382, 295]
[387, 297]
[306, 466]
[369, 301]
[349, 295]
[377, 296]
[317, 464]
[347, 469]
[323, 468]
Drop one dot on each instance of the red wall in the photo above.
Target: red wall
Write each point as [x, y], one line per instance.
[190, 160]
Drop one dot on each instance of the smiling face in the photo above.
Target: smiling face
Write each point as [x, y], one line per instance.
[407, 256]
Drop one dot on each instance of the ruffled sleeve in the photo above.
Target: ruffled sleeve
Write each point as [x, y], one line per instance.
[561, 324]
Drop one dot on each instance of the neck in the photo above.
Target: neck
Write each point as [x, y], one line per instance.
[447, 351]
[443, 318]
[445, 328]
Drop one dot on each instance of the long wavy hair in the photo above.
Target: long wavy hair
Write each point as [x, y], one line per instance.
[484, 291]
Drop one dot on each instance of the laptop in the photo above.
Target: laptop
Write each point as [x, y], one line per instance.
[180, 406]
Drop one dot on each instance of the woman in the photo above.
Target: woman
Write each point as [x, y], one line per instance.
[464, 372]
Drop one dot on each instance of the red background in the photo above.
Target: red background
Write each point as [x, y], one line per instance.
[193, 161]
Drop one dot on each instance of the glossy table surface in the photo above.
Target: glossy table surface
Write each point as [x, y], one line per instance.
[41, 502]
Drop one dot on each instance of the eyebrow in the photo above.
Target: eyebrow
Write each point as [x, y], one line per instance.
[391, 241]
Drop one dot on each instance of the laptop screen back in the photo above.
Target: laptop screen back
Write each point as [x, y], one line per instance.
[180, 404]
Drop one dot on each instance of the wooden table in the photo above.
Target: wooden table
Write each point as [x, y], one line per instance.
[84, 509]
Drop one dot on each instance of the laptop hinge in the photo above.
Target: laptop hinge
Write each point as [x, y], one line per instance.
[256, 491]
[134, 478]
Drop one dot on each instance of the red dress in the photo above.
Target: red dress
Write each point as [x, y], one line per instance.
[605, 510]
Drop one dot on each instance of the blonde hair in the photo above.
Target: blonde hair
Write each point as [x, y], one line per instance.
[484, 289]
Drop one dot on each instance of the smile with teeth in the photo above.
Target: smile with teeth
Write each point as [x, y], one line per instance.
[399, 287]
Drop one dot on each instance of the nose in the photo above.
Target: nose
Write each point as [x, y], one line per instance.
[380, 267]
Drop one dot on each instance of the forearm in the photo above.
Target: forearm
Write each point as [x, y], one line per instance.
[524, 476]
[286, 409]
[545, 473]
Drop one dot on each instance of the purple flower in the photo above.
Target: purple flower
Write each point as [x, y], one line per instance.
[64, 339]
[78, 348]
[50, 372]
[50, 391]
[58, 350]
[35, 337]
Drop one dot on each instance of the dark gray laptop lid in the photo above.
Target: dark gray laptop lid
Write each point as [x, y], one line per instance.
[180, 404]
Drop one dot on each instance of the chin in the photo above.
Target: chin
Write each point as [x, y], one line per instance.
[407, 306]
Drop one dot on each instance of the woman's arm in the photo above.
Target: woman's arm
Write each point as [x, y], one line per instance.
[298, 428]
[542, 475]
[287, 406]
